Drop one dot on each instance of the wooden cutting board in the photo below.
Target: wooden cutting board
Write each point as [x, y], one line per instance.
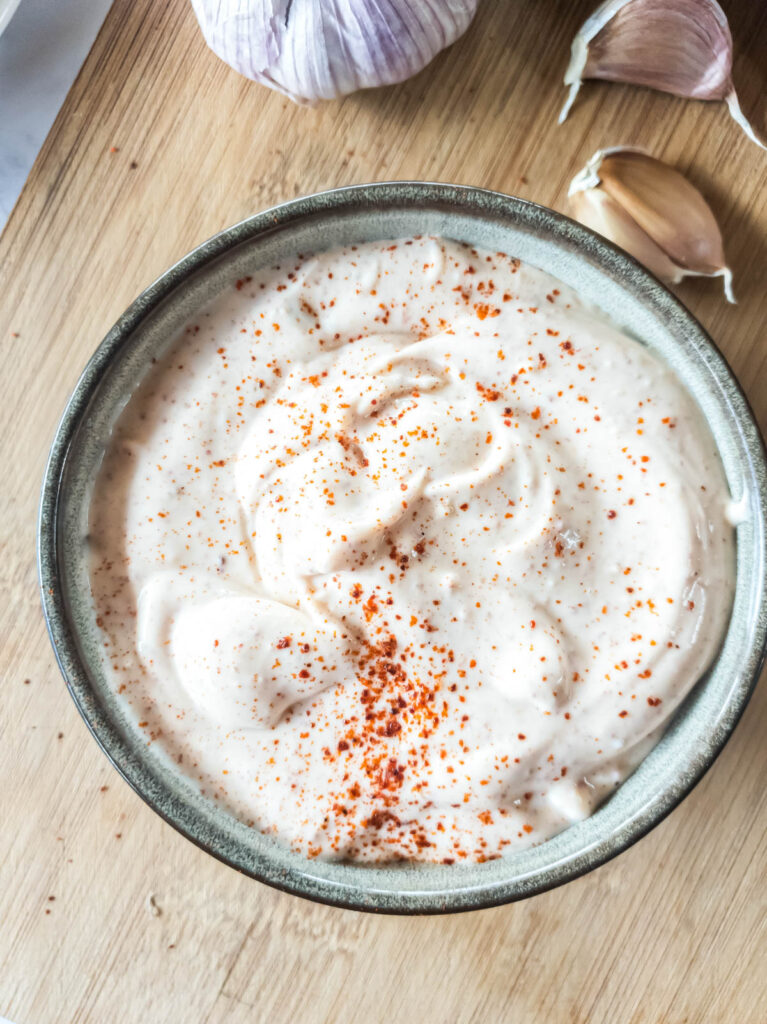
[106, 913]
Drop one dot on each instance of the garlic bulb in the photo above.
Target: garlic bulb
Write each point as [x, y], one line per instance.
[653, 212]
[679, 46]
[321, 49]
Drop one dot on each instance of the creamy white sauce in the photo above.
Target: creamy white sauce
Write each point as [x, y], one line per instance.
[404, 552]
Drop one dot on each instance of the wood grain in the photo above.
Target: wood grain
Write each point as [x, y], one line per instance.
[158, 146]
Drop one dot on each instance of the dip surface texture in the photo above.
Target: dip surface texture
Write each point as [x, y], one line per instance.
[402, 551]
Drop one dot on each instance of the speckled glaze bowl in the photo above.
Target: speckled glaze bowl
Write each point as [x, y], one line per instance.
[602, 274]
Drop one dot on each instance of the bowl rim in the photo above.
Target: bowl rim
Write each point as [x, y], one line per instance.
[62, 633]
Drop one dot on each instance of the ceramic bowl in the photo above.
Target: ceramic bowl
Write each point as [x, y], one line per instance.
[602, 274]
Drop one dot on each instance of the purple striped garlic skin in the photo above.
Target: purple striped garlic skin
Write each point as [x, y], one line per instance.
[314, 50]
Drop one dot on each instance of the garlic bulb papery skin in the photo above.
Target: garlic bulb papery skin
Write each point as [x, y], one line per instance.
[314, 50]
[683, 47]
[653, 212]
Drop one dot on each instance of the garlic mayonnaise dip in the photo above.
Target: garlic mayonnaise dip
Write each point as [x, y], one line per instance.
[403, 551]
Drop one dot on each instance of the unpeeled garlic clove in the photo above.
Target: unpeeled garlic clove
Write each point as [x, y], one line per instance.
[653, 212]
[683, 47]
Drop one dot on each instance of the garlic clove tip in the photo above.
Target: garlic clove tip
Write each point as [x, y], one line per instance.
[727, 281]
[731, 99]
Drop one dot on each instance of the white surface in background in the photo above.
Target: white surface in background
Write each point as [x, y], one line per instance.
[7, 7]
[41, 51]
